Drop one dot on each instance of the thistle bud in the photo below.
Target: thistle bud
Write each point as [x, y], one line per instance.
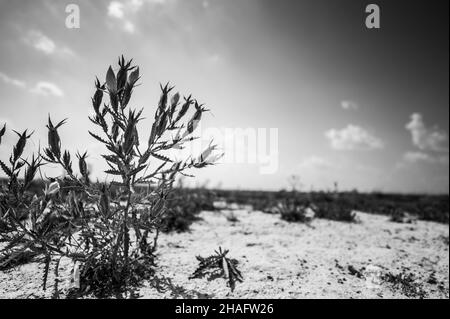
[130, 139]
[174, 104]
[115, 131]
[126, 95]
[184, 108]
[122, 77]
[103, 205]
[207, 152]
[54, 141]
[152, 138]
[30, 172]
[192, 126]
[52, 189]
[134, 77]
[207, 157]
[162, 124]
[20, 146]
[97, 100]
[67, 162]
[111, 81]
[114, 100]
[163, 100]
[82, 165]
[2, 132]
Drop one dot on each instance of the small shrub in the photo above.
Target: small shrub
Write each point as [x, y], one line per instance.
[406, 283]
[445, 239]
[184, 206]
[219, 266]
[232, 218]
[402, 217]
[16, 203]
[426, 207]
[104, 228]
[15, 195]
[337, 210]
[296, 211]
[356, 272]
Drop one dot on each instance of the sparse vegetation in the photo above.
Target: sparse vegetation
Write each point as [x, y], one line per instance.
[340, 206]
[406, 283]
[337, 209]
[296, 211]
[184, 206]
[402, 217]
[219, 266]
[110, 230]
[104, 228]
[232, 218]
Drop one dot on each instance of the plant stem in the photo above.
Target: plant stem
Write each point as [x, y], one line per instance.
[126, 231]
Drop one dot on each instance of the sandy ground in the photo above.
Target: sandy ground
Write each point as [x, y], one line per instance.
[284, 260]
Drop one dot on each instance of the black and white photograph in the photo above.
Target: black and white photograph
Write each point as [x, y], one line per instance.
[224, 150]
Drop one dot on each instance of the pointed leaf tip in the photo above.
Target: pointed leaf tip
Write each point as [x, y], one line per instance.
[111, 80]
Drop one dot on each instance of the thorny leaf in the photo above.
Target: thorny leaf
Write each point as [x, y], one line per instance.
[2, 132]
[219, 262]
[111, 80]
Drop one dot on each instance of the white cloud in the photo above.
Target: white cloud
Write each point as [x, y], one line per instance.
[416, 157]
[43, 88]
[214, 59]
[129, 27]
[136, 4]
[115, 10]
[427, 139]
[66, 51]
[41, 42]
[353, 137]
[349, 105]
[47, 89]
[124, 11]
[315, 163]
[15, 82]
[44, 44]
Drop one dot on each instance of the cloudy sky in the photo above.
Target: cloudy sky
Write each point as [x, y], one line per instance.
[366, 108]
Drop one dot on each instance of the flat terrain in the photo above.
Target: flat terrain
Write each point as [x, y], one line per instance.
[286, 260]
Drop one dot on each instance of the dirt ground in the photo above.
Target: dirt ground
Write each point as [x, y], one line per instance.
[285, 260]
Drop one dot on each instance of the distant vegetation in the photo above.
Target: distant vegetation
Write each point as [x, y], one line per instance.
[336, 206]
[185, 204]
[183, 207]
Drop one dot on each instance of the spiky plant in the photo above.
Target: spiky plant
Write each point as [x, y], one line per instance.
[296, 211]
[14, 196]
[219, 265]
[16, 201]
[106, 228]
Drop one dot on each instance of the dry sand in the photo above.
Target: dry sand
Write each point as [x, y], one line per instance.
[283, 260]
